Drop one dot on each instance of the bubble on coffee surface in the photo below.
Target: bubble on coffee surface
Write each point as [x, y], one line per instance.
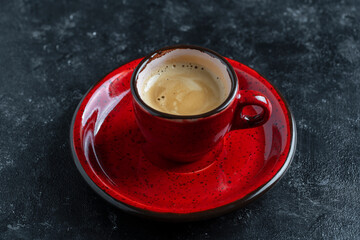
[183, 89]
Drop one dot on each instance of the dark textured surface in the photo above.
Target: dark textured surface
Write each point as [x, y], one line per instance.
[51, 52]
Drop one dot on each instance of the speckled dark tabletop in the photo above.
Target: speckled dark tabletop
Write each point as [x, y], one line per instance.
[51, 52]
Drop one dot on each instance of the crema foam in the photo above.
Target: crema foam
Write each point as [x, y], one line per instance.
[181, 88]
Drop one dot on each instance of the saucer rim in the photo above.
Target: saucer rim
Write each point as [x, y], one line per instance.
[193, 216]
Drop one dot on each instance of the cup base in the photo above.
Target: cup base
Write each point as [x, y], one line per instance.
[173, 165]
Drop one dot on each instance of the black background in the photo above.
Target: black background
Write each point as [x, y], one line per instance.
[52, 51]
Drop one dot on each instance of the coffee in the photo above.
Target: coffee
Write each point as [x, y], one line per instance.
[183, 88]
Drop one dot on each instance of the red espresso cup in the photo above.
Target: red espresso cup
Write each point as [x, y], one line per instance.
[184, 138]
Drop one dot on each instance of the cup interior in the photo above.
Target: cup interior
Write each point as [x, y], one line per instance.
[210, 60]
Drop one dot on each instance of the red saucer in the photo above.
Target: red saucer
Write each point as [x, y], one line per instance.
[108, 151]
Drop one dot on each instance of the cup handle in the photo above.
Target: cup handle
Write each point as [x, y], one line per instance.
[246, 98]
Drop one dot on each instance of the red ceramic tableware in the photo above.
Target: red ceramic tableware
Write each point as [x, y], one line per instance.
[115, 160]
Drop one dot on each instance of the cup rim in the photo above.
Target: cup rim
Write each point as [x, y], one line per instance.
[154, 112]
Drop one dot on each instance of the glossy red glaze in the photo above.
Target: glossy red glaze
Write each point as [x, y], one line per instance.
[109, 150]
